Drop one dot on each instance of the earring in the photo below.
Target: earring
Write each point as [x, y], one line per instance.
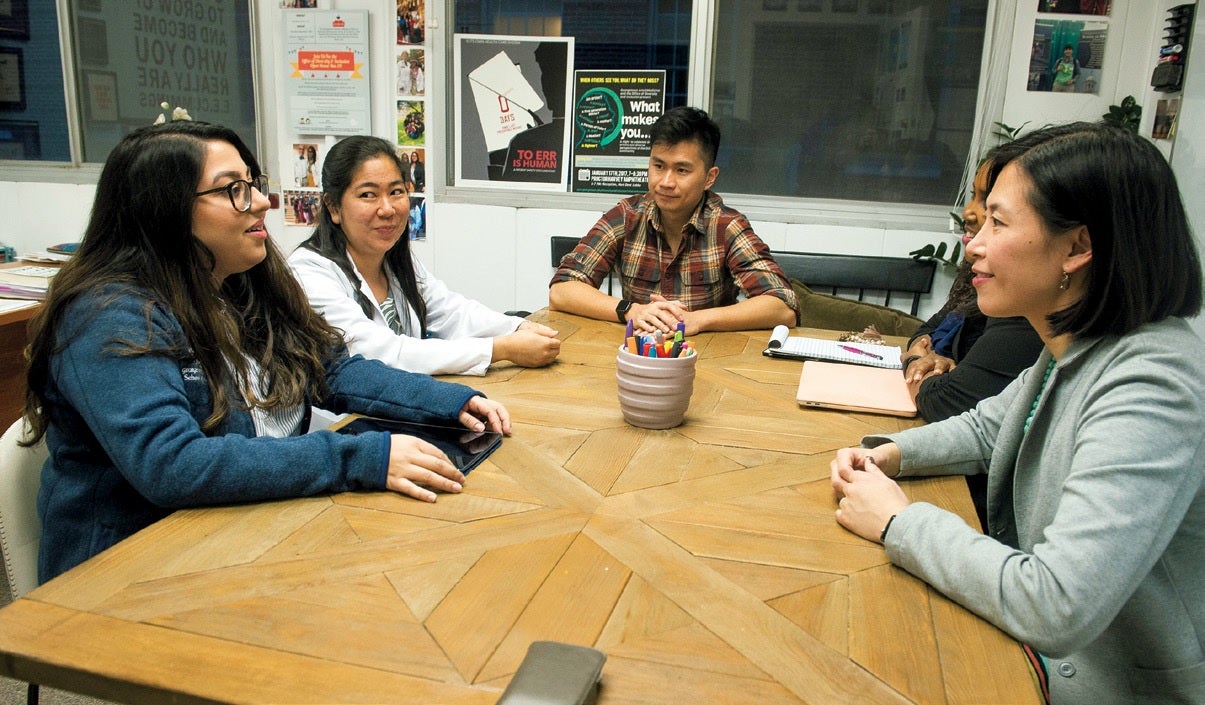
[1065, 281]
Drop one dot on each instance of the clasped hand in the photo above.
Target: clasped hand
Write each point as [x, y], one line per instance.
[661, 314]
[416, 465]
[867, 497]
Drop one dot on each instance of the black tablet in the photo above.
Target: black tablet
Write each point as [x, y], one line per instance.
[464, 448]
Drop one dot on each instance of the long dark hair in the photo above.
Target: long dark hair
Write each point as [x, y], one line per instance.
[139, 237]
[1145, 266]
[329, 240]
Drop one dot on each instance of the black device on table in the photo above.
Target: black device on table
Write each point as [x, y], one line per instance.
[465, 449]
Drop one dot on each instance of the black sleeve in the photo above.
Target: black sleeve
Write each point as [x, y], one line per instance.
[930, 325]
[1007, 346]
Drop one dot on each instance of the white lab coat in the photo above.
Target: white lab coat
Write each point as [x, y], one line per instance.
[461, 330]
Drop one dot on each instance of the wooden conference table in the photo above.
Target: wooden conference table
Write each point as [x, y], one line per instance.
[704, 560]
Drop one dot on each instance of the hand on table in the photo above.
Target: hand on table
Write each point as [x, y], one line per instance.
[414, 462]
[480, 414]
[868, 498]
[661, 314]
[531, 345]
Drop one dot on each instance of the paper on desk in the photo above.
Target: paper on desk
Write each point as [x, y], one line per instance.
[7, 305]
[797, 347]
[498, 88]
[57, 257]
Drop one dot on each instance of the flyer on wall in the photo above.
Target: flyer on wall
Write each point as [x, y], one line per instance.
[512, 96]
[327, 89]
[612, 112]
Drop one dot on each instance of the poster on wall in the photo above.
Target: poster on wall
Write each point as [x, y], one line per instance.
[612, 111]
[512, 96]
[327, 88]
[1075, 7]
[1067, 56]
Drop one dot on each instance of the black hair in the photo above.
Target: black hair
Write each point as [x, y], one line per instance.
[329, 240]
[685, 123]
[1145, 266]
[140, 235]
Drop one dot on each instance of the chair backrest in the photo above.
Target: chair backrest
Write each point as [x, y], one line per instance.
[562, 245]
[836, 272]
[20, 529]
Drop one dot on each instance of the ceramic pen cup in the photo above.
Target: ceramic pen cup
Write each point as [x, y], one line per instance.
[654, 391]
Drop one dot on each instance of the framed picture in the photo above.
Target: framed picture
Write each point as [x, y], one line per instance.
[20, 140]
[774, 5]
[100, 92]
[14, 19]
[12, 80]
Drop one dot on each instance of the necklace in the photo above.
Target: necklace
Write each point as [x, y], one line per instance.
[1034, 408]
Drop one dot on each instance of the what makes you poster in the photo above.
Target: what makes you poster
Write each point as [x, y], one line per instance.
[612, 112]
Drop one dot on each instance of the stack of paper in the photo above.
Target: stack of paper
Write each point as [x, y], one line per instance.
[27, 282]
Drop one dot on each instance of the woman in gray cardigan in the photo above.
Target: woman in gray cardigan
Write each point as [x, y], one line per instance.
[1096, 502]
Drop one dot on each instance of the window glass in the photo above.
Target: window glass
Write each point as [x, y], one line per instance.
[868, 100]
[33, 112]
[131, 57]
[608, 34]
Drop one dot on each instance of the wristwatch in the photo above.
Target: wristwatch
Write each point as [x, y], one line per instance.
[622, 310]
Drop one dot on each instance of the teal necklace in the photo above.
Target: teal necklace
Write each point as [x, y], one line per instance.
[1034, 408]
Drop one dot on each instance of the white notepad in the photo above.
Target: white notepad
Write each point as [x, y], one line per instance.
[796, 347]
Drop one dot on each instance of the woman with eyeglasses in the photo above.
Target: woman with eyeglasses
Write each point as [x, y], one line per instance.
[358, 272]
[175, 361]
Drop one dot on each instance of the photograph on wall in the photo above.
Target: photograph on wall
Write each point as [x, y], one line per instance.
[301, 207]
[418, 218]
[1166, 111]
[512, 96]
[306, 168]
[411, 21]
[416, 168]
[1066, 56]
[1076, 7]
[411, 123]
[100, 96]
[411, 72]
[327, 89]
[612, 111]
[12, 80]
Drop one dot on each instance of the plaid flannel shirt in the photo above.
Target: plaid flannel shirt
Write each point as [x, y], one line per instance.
[720, 254]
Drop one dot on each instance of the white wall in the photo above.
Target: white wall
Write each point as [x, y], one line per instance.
[499, 253]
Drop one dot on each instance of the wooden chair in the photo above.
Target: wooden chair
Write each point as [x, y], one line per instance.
[20, 529]
[892, 275]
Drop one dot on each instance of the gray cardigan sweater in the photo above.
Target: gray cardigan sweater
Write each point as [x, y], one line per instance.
[1096, 516]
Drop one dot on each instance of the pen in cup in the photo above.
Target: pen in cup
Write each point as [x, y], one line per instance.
[852, 349]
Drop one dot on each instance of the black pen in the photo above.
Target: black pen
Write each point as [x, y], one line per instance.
[852, 349]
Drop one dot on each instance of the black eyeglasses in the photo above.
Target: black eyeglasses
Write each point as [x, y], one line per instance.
[240, 191]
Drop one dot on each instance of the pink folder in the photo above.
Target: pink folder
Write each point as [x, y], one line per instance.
[871, 390]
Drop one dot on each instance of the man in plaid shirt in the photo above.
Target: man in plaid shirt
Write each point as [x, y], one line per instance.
[678, 253]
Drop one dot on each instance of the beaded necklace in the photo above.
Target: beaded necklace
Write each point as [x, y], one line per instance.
[1034, 408]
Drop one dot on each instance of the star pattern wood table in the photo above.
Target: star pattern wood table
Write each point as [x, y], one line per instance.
[704, 560]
